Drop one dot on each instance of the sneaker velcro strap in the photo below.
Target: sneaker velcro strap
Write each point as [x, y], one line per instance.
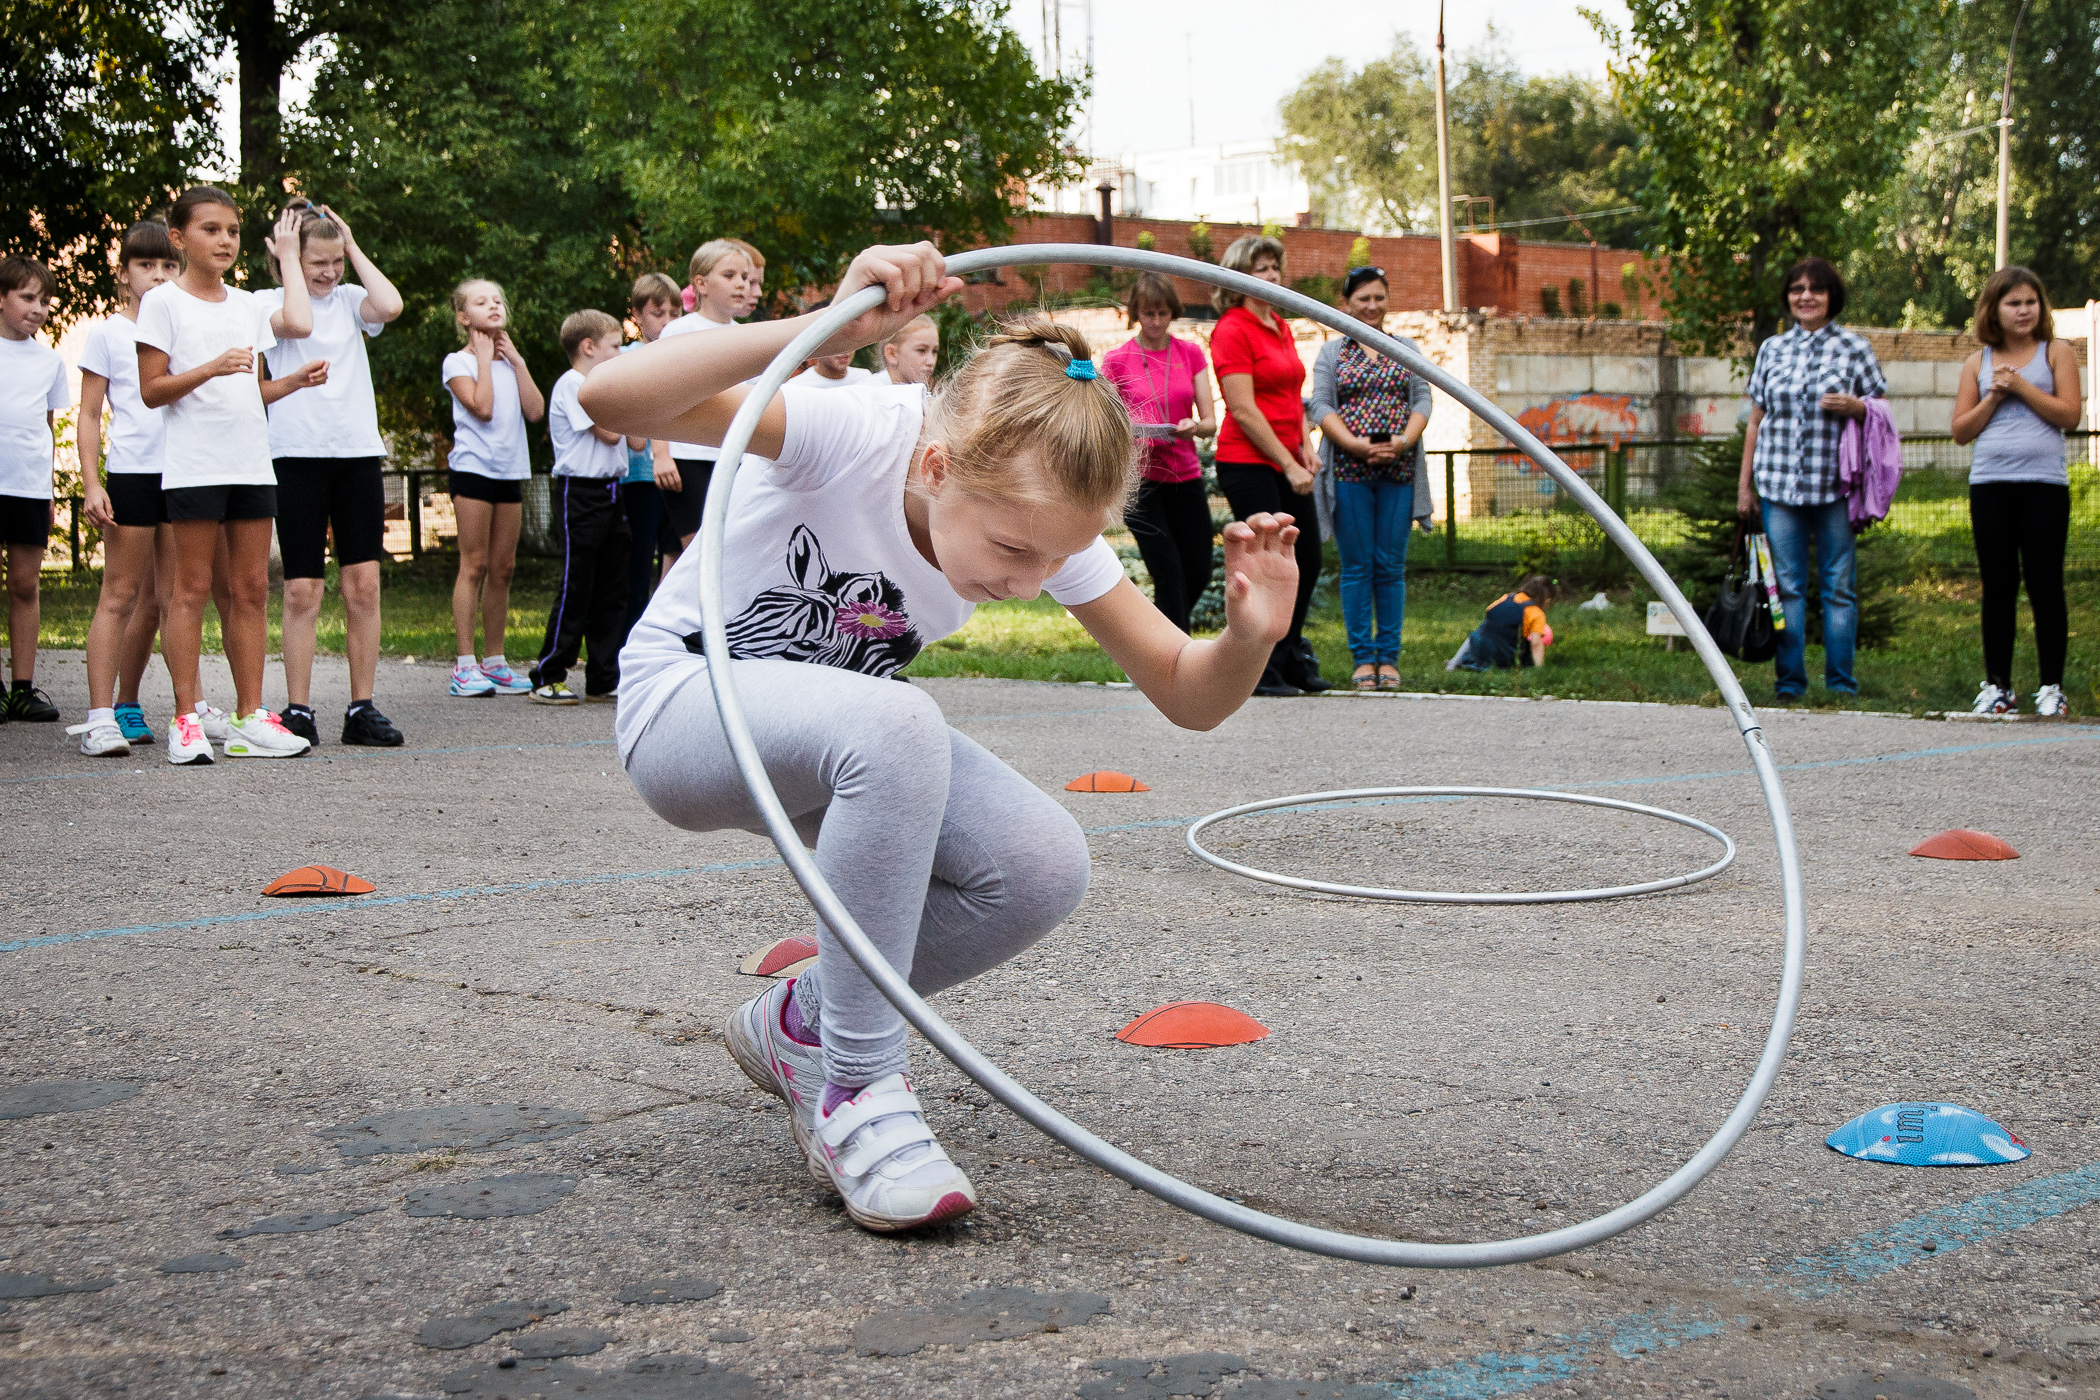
[873, 1145]
[864, 1108]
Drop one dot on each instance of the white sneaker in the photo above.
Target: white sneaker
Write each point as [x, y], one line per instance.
[2049, 702]
[217, 724]
[186, 741]
[259, 735]
[102, 739]
[781, 1065]
[1992, 701]
[885, 1162]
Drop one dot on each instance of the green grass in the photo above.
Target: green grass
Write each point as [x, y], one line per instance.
[415, 609]
[1933, 664]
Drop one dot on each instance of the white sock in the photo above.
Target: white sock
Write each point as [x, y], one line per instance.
[496, 660]
[108, 716]
[464, 662]
[201, 708]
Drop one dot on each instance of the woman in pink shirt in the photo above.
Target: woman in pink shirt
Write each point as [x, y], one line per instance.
[1163, 382]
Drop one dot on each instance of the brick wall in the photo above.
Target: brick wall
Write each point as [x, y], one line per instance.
[1496, 272]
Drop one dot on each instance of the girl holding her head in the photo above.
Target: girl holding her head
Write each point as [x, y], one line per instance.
[720, 275]
[883, 517]
[1266, 461]
[128, 511]
[328, 455]
[1165, 386]
[493, 398]
[200, 347]
[2017, 398]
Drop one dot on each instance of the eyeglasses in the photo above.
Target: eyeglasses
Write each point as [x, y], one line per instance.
[1366, 271]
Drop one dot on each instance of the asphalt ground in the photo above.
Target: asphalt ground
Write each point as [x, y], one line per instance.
[424, 1139]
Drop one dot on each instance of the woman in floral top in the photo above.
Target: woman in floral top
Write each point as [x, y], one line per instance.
[1371, 413]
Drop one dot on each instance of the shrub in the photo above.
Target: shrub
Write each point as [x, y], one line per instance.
[1199, 242]
[1549, 300]
[1146, 242]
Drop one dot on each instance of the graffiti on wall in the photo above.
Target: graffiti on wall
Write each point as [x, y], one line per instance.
[1583, 418]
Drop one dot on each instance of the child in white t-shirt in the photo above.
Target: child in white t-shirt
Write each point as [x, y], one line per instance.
[128, 511]
[909, 356]
[831, 371]
[720, 276]
[200, 358]
[493, 398]
[591, 538]
[882, 519]
[328, 457]
[33, 392]
[652, 305]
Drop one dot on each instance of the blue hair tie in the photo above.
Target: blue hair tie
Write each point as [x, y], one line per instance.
[1081, 369]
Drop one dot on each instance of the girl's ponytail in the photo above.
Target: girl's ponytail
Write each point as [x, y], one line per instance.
[1030, 398]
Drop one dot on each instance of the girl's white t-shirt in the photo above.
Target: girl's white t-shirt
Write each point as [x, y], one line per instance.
[218, 433]
[339, 418]
[32, 385]
[690, 324]
[820, 566]
[495, 448]
[138, 435]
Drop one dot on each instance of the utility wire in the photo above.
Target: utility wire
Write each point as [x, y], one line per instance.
[1556, 219]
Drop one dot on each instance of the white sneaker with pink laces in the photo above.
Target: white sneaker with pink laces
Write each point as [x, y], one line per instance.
[259, 735]
[186, 741]
[885, 1162]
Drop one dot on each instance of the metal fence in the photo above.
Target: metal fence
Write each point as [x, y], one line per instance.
[1508, 507]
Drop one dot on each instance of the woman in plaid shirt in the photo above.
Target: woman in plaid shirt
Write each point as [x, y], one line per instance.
[1804, 386]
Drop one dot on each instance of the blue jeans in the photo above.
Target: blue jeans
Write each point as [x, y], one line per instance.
[1371, 521]
[1793, 530]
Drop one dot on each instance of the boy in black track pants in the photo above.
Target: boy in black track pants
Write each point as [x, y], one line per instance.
[591, 535]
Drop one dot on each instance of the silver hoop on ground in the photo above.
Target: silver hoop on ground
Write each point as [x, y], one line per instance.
[1314, 799]
[1002, 1086]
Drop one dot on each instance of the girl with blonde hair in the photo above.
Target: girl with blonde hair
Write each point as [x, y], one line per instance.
[881, 519]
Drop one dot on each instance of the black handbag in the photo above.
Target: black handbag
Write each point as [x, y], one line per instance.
[1740, 618]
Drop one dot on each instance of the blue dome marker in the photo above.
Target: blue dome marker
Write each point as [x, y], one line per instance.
[1927, 1135]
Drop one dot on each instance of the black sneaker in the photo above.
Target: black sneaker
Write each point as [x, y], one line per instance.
[300, 720]
[365, 725]
[1273, 685]
[31, 705]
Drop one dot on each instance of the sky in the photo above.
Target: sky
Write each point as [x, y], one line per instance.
[1247, 54]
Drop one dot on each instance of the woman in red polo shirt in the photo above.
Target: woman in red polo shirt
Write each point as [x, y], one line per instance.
[1266, 460]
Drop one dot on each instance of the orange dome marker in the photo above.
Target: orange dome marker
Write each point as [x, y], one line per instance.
[782, 958]
[1962, 844]
[1192, 1025]
[317, 879]
[1105, 780]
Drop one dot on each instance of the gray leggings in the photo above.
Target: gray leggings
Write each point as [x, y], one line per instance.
[951, 861]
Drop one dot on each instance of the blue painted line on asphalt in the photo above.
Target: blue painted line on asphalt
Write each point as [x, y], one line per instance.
[1940, 1232]
[1497, 1373]
[334, 908]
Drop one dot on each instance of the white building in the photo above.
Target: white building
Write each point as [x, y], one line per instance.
[1238, 182]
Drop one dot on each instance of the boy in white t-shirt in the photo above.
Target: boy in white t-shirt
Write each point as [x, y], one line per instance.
[831, 371]
[591, 535]
[33, 392]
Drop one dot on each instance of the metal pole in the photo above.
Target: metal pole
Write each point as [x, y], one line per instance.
[1450, 509]
[1443, 174]
[415, 515]
[2005, 146]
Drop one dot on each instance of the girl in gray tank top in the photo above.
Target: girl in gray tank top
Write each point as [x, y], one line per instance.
[2018, 444]
[2019, 491]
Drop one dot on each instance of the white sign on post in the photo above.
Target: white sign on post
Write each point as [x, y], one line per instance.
[1663, 623]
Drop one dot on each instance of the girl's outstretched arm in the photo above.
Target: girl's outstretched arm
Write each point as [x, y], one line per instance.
[686, 388]
[1198, 684]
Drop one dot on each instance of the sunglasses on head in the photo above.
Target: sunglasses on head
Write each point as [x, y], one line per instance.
[1360, 275]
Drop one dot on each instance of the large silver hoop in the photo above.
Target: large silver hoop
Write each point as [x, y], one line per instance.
[967, 1058]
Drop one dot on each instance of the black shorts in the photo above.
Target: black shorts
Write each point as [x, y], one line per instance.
[136, 499]
[314, 493]
[25, 520]
[221, 502]
[682, 507]
[472, 486]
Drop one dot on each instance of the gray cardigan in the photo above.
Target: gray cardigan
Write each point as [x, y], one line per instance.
[1420, 400]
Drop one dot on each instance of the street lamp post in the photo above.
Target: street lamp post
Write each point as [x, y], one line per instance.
[1443, 174]
[2005, 146]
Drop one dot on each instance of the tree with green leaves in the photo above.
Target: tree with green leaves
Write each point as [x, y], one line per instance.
[807, 126]
[1934, 237]
[103, 116]
[1767, 126]
[1365, 140]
